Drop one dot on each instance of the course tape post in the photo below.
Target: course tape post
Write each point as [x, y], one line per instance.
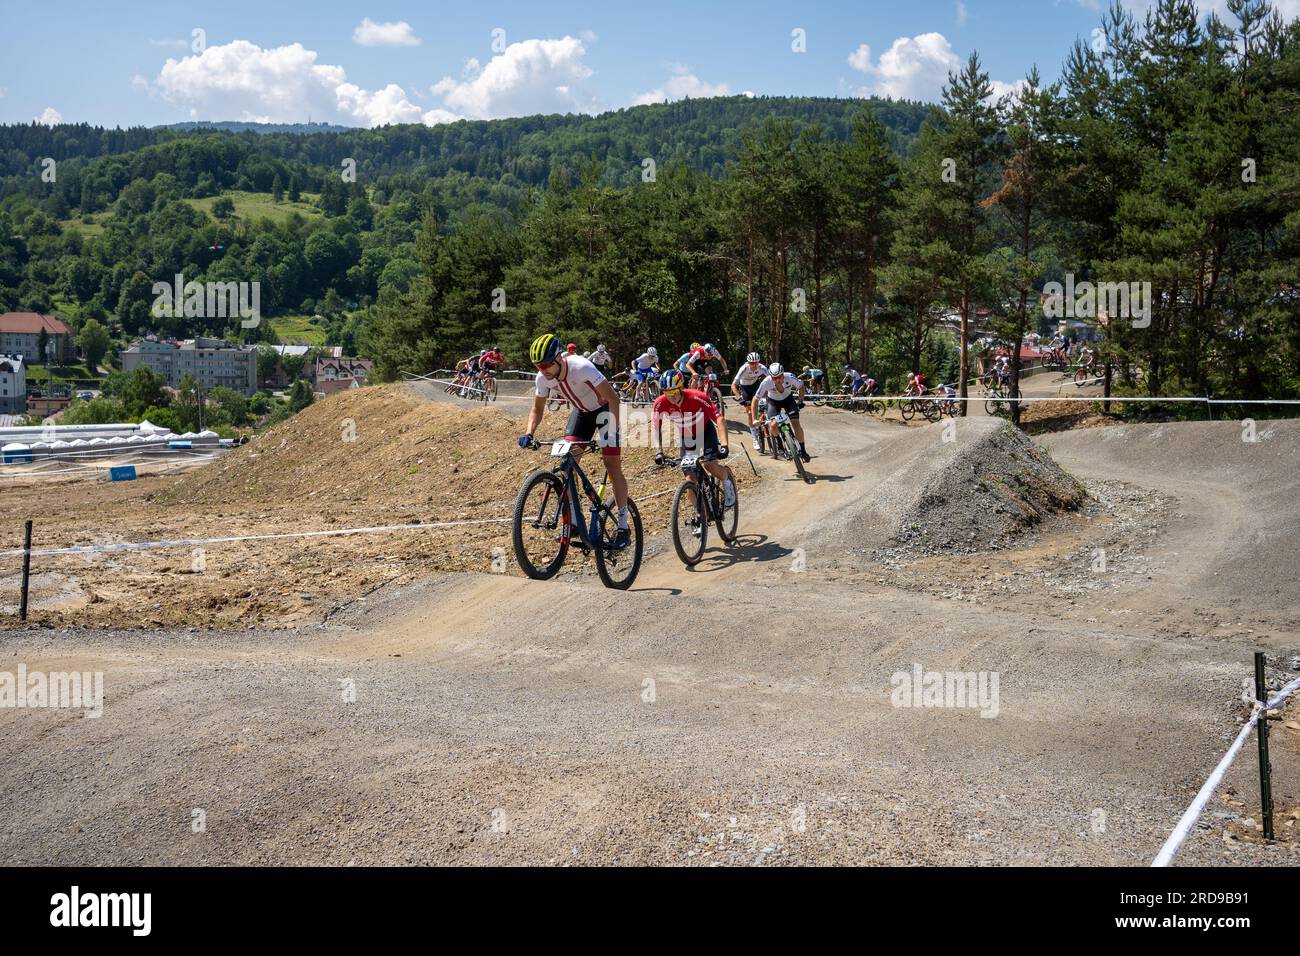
[1183, 828]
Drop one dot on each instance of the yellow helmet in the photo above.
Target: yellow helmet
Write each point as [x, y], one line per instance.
[544, 349]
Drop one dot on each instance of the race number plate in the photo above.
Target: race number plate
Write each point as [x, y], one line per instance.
[560, 448]
[689, 461]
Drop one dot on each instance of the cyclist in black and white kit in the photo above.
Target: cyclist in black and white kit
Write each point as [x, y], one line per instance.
[748, 378]
[782, 392]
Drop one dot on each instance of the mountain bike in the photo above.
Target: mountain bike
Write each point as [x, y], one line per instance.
[996, 401]
[785, 444]
[914, 404]
[715, 394]
[548, 518]
[1082, 374]
[698, 502]
[487, 384]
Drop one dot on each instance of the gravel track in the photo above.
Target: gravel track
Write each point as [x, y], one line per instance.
[737, 713]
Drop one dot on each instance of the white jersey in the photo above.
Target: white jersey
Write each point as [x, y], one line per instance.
[577, 387]
[778, 392]
[745, 375]
[645, 361]
[600, 359]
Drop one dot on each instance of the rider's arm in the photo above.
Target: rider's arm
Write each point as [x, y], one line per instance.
[535, 416]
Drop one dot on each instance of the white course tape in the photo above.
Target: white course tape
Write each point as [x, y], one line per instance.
[189, 542]
[1185, 823]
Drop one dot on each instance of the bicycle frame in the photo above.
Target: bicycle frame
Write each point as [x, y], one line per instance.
[573, 504]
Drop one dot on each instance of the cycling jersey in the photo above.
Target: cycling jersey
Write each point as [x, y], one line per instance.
[691, 417]
[749, 375]
[600, 359]
[646, 361]
[682, 359]
[854, 374]
[491, 360]
[778, 392]
[578, 386]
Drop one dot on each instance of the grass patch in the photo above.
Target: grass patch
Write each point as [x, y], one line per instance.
[298, 330]
[261, 206]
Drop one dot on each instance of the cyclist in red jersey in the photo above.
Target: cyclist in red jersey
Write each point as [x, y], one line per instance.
[696, 418]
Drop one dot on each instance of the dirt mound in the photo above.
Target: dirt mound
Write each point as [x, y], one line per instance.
[957, 487]
[362, 458]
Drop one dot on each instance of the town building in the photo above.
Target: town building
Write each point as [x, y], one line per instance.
[13, 385]
[20, 334]
[339, 374]
[214, 363]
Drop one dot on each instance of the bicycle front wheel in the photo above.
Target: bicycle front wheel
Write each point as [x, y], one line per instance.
[690, 524]
[540, 526]
[908, 409]
[617, 569]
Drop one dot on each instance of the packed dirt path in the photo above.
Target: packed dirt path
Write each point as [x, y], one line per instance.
[736, 713]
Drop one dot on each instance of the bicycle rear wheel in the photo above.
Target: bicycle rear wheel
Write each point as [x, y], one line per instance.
[540, 525]
[618, 569]
[908, 408]
[690, 524]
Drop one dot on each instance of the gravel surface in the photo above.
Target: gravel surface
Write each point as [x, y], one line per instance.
[484, 718]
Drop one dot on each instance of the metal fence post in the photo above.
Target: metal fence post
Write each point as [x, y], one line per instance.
[1265, 780]
[27, 568]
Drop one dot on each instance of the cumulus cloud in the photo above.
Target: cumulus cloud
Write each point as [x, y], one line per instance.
[914, 68]
[370, 33]
[240, 80]
[50, 117]
[682, 84]
[531, 76]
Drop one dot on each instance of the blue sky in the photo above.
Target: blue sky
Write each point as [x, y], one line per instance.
[362, 64]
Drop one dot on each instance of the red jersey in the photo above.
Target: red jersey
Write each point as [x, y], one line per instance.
[689, 416]
[492, 359]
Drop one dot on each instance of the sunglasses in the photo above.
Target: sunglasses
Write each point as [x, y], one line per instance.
[673, 393]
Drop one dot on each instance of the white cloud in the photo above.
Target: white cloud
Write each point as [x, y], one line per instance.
[961, 12]
[914, 68]
[1001, 89]
[240, 80]
[682, 84]
[50, 117]
[531, 76]
[370, 33]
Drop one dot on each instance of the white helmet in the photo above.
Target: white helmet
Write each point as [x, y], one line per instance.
[776, 370]
[600, 347]
[651, 351]
[753, 357]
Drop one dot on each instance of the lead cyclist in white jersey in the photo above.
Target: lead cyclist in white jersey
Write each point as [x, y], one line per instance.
[782, 392]
[748, 378]
[644, 367]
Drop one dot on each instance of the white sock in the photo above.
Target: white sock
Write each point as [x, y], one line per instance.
[622, 517]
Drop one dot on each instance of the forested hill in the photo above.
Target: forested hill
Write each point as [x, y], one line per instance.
[704, 134]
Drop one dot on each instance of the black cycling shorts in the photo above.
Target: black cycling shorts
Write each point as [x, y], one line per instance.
[747, 391]
[789, 405]
[584, 425]
[709, 445]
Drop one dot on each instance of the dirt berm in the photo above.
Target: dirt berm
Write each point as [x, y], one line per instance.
[955, 487]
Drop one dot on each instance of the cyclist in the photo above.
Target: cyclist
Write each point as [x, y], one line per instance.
[697, 420]
[948, 394]
[816, 379]
[748, 377]
[915, 384]
[782, 392]
[1002, 369]
[645, 366]
[861, 385]
[1086, 358]
[601, 358]
[700, 360]
[571, 349]
[595, 407]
